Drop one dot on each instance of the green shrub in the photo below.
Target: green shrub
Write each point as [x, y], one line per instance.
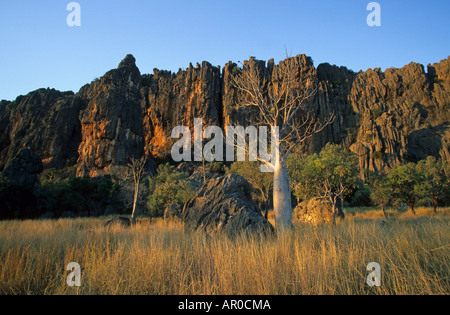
[77, 194]
[166, 188]
[377, 155]
[361, 198]
[217, 167]
[376, 113]
[368, 137]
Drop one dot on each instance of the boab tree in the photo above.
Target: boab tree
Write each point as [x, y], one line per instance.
[282, 99]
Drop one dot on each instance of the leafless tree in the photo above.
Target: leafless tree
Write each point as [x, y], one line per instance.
[281, 99]
[137, 172]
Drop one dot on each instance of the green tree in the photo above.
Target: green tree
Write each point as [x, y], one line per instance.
[407, 185]
[434, 173]
[261, 182]
[361, 197]
[77, 194]
[381, 192]
[295, 169]
[166, 188]
[330, 175]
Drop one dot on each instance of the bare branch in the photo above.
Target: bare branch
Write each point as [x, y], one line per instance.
[284, 101]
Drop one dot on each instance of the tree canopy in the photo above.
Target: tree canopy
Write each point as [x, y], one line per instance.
[332, 174]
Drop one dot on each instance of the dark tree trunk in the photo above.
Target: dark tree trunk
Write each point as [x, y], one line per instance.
[335, 209]
[384, 212]
[266, 210]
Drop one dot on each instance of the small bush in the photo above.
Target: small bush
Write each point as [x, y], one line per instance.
[80, 195]
[361, 198]
[376, 113]
[377, 155]
[166, 188]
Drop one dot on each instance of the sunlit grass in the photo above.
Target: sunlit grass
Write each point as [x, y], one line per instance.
[159, 258]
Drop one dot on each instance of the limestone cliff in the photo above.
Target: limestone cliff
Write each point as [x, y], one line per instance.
[404, 115]
[45, 120]
[111, 121]
[169, 100]
[385, 117]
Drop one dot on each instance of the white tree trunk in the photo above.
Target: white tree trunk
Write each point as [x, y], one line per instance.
[282, 197]
[136, 193]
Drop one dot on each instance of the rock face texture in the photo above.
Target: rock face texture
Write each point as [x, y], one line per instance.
[111, 122]
[24, 169]
[232, 115]
[45, 120]
[385, 117]
[224, 205]
[393, 106]
[169, 100]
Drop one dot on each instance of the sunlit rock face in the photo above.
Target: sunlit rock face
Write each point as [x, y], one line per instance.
[111, 121]
[169, 100]
[386, 117]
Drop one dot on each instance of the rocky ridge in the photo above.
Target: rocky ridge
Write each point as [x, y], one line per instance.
[385, 117]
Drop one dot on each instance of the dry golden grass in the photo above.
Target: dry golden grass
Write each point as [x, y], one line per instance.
[159, 258]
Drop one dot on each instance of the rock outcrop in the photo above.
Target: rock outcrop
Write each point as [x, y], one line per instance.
[111, 122]
[169, 100]
[24, 168]
[382, 116]
[173, 211]
[315, 211]
[385, 117]
[45, 120]
[224, 205]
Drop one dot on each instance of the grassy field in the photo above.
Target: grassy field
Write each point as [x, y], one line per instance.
[159, 258]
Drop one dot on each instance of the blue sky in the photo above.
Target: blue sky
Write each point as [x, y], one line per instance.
[38, 49]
